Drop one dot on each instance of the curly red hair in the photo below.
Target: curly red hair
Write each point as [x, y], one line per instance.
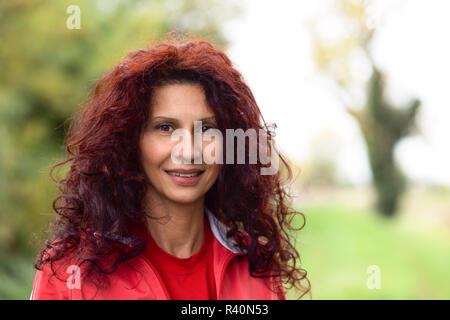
[104, 188]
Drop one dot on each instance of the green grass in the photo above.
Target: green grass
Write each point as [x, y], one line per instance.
[338, 244]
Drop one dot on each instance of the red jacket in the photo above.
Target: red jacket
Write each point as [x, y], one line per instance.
[231, 272]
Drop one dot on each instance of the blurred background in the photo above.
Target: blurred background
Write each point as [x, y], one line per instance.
[357, 90]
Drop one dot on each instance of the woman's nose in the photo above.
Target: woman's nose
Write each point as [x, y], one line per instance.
[190, 149]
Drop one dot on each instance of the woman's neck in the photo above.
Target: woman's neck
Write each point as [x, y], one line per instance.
[177, 228]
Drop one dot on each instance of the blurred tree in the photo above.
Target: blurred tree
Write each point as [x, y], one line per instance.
[47, 70]
[344, 58]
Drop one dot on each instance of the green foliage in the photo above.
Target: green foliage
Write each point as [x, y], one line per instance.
[46, 73]
[16, 277]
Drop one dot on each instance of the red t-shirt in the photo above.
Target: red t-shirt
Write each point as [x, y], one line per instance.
[186, 278]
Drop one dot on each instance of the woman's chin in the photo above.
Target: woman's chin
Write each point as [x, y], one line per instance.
[184, 198]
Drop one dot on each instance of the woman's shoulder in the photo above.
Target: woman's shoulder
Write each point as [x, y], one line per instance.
[55, 277]
[65, 277]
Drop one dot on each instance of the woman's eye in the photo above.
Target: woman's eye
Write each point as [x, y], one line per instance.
[206, 128]
[164, 127]
[167, 128]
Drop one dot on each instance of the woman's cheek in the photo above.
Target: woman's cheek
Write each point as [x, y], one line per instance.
[214, 173]
[212, 152]
[155, 150]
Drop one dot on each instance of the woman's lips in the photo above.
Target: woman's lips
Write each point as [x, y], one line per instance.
[185, 181]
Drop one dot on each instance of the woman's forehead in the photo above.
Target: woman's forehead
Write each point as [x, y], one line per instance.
[180, 101]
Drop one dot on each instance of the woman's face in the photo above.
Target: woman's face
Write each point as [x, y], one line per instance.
[177, 106]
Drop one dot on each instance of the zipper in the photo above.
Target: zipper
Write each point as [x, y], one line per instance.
[153, 269]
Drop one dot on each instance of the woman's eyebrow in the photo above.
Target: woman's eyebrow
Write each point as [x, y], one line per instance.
[176, 120]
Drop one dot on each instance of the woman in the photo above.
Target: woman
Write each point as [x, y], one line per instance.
[141, 218]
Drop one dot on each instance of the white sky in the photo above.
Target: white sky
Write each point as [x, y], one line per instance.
[271, 47]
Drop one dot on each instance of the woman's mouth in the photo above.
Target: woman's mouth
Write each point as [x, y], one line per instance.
[185, 178]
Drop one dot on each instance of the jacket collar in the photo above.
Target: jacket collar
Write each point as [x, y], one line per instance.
[220, 232]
